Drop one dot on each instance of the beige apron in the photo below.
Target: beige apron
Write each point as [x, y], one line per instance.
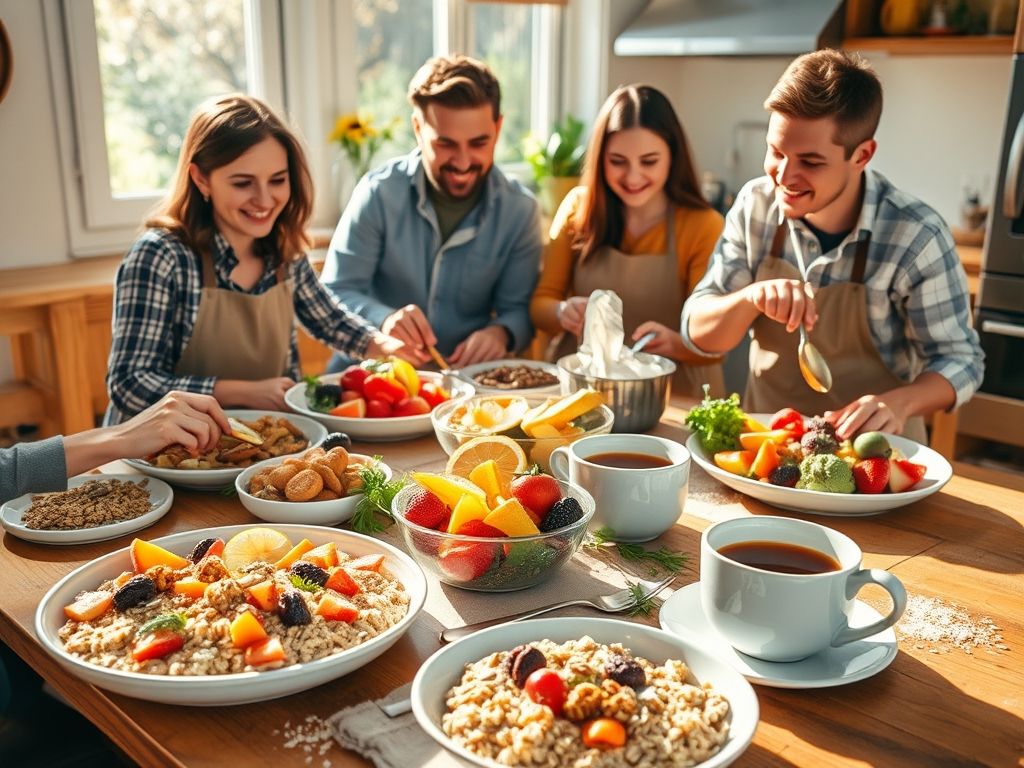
[648, 285]
[239, 335]
[841, 335]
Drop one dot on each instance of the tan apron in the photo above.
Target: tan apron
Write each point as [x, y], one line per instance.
[841, 335]
[239, 335]
[648, 285]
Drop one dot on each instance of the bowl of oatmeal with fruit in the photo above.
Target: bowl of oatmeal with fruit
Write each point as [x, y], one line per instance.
[594, 692]
[231, 615]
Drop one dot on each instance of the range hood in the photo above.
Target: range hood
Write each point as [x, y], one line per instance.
[732, 28]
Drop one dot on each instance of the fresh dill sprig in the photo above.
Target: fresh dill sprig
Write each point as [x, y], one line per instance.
[373, 512]
[228, 491]
[643, 601]
[664, 557]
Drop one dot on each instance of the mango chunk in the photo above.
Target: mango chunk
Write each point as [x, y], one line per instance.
[512, 519]
[449, 489]
[469, 507]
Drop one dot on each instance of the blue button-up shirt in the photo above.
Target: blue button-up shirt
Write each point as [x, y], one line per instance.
[916, 288]
[387, 252]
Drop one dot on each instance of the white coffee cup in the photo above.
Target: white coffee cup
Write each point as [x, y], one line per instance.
[638, 504]
[787, 616]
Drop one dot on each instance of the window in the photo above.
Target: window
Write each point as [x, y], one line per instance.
[138, 68]
[519, 42]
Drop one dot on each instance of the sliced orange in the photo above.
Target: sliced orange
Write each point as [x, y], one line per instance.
[254, 544]
[350, 409]
[507, 455]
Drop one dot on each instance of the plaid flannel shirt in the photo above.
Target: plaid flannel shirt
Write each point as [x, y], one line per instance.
[917, 297]
[156, 302]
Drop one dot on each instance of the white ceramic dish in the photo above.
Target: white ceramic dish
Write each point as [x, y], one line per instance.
[300, 512]
[215, 479]
[937, 474]
[374, 430]
[160, 497]
[240, 688]
[476, 368]
[682, 615]
[442, 670]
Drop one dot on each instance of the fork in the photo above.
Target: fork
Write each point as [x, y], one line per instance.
[616, 602]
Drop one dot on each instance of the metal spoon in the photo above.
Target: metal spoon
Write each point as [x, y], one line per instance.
[812, 365]
[643, 341]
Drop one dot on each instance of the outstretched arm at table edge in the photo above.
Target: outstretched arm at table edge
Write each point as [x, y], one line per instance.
[716, 324]
[889, 411]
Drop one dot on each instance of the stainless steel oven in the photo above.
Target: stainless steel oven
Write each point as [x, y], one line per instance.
[1000, 306]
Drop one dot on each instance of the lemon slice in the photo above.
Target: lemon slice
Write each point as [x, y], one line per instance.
[255, 544]
[508, 457]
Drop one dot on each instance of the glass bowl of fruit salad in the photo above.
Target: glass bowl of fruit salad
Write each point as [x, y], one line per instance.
[537, 423]
[466, 537]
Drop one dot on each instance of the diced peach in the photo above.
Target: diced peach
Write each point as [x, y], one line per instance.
[262, 595]
[326, 555]
[334, 608]
[294, 554]
[145, 555]
[270, 650]
[367, 563]
[737, 462]
[750, 424]
[191, 587]
[766, 461]
[89, 606]
[752, 440]
[246, 630]
[341, 582]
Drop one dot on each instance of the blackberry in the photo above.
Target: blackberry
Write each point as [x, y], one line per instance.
[292, 609]
[785, 475]
[136, 591]
[818, 441]
[562, 513]
[309, 572]
[625, 670]
[336, 439]
[522, 661]
[200, 550]
[324, 391]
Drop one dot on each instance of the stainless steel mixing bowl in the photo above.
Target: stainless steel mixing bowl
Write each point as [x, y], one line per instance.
[636, 403]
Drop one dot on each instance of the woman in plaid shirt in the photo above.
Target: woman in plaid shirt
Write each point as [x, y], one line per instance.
[881, 284]
[207, 298]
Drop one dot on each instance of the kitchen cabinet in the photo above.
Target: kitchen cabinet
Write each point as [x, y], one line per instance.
[863, 33]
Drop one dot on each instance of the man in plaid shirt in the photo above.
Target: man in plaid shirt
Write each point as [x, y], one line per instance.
[824, 241]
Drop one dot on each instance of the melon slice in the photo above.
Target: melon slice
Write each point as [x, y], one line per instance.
[469, 507]
[511, 518]
[564, 410]
[449, 489]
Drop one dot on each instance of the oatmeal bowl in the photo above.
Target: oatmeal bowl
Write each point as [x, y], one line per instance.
[517, 375]
[231, 615]
[598, 692]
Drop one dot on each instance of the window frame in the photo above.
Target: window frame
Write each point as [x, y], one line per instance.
[99, 222]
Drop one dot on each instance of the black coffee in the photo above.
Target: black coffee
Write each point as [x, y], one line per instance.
[780, 557]
[628, 460]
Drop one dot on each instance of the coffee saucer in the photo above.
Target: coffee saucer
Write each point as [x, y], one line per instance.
[682, 615]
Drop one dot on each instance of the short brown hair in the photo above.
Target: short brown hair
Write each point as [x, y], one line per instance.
[830, 83]
[455, 81]
[222, 130]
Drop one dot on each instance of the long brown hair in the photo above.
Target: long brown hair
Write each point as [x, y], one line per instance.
[600, 219]
[221, 130]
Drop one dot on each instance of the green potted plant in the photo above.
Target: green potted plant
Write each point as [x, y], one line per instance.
[557, 162]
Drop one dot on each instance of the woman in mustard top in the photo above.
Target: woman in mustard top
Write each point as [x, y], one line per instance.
[638, 225]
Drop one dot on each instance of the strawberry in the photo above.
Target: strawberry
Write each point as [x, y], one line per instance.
[479, 528]
[790, 419]
[465, 561]
[904, 474]
[537, 492]
[427, 510]
[871, 475]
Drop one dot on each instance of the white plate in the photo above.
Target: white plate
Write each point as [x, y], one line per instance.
[160, 497]
[551, 389]
[238, 688]
[375, 430]
[301, 512]
[682, 615]
[937, 474]
[215, 479]
[706, 661]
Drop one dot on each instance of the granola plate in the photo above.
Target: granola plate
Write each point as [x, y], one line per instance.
[444, 670]
[234, 688]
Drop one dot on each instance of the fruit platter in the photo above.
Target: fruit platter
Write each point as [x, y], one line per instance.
[377, 400]
[538, 424]
[796, 462]
[203, 617]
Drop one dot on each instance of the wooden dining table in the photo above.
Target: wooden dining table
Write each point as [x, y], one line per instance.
[936, 705]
